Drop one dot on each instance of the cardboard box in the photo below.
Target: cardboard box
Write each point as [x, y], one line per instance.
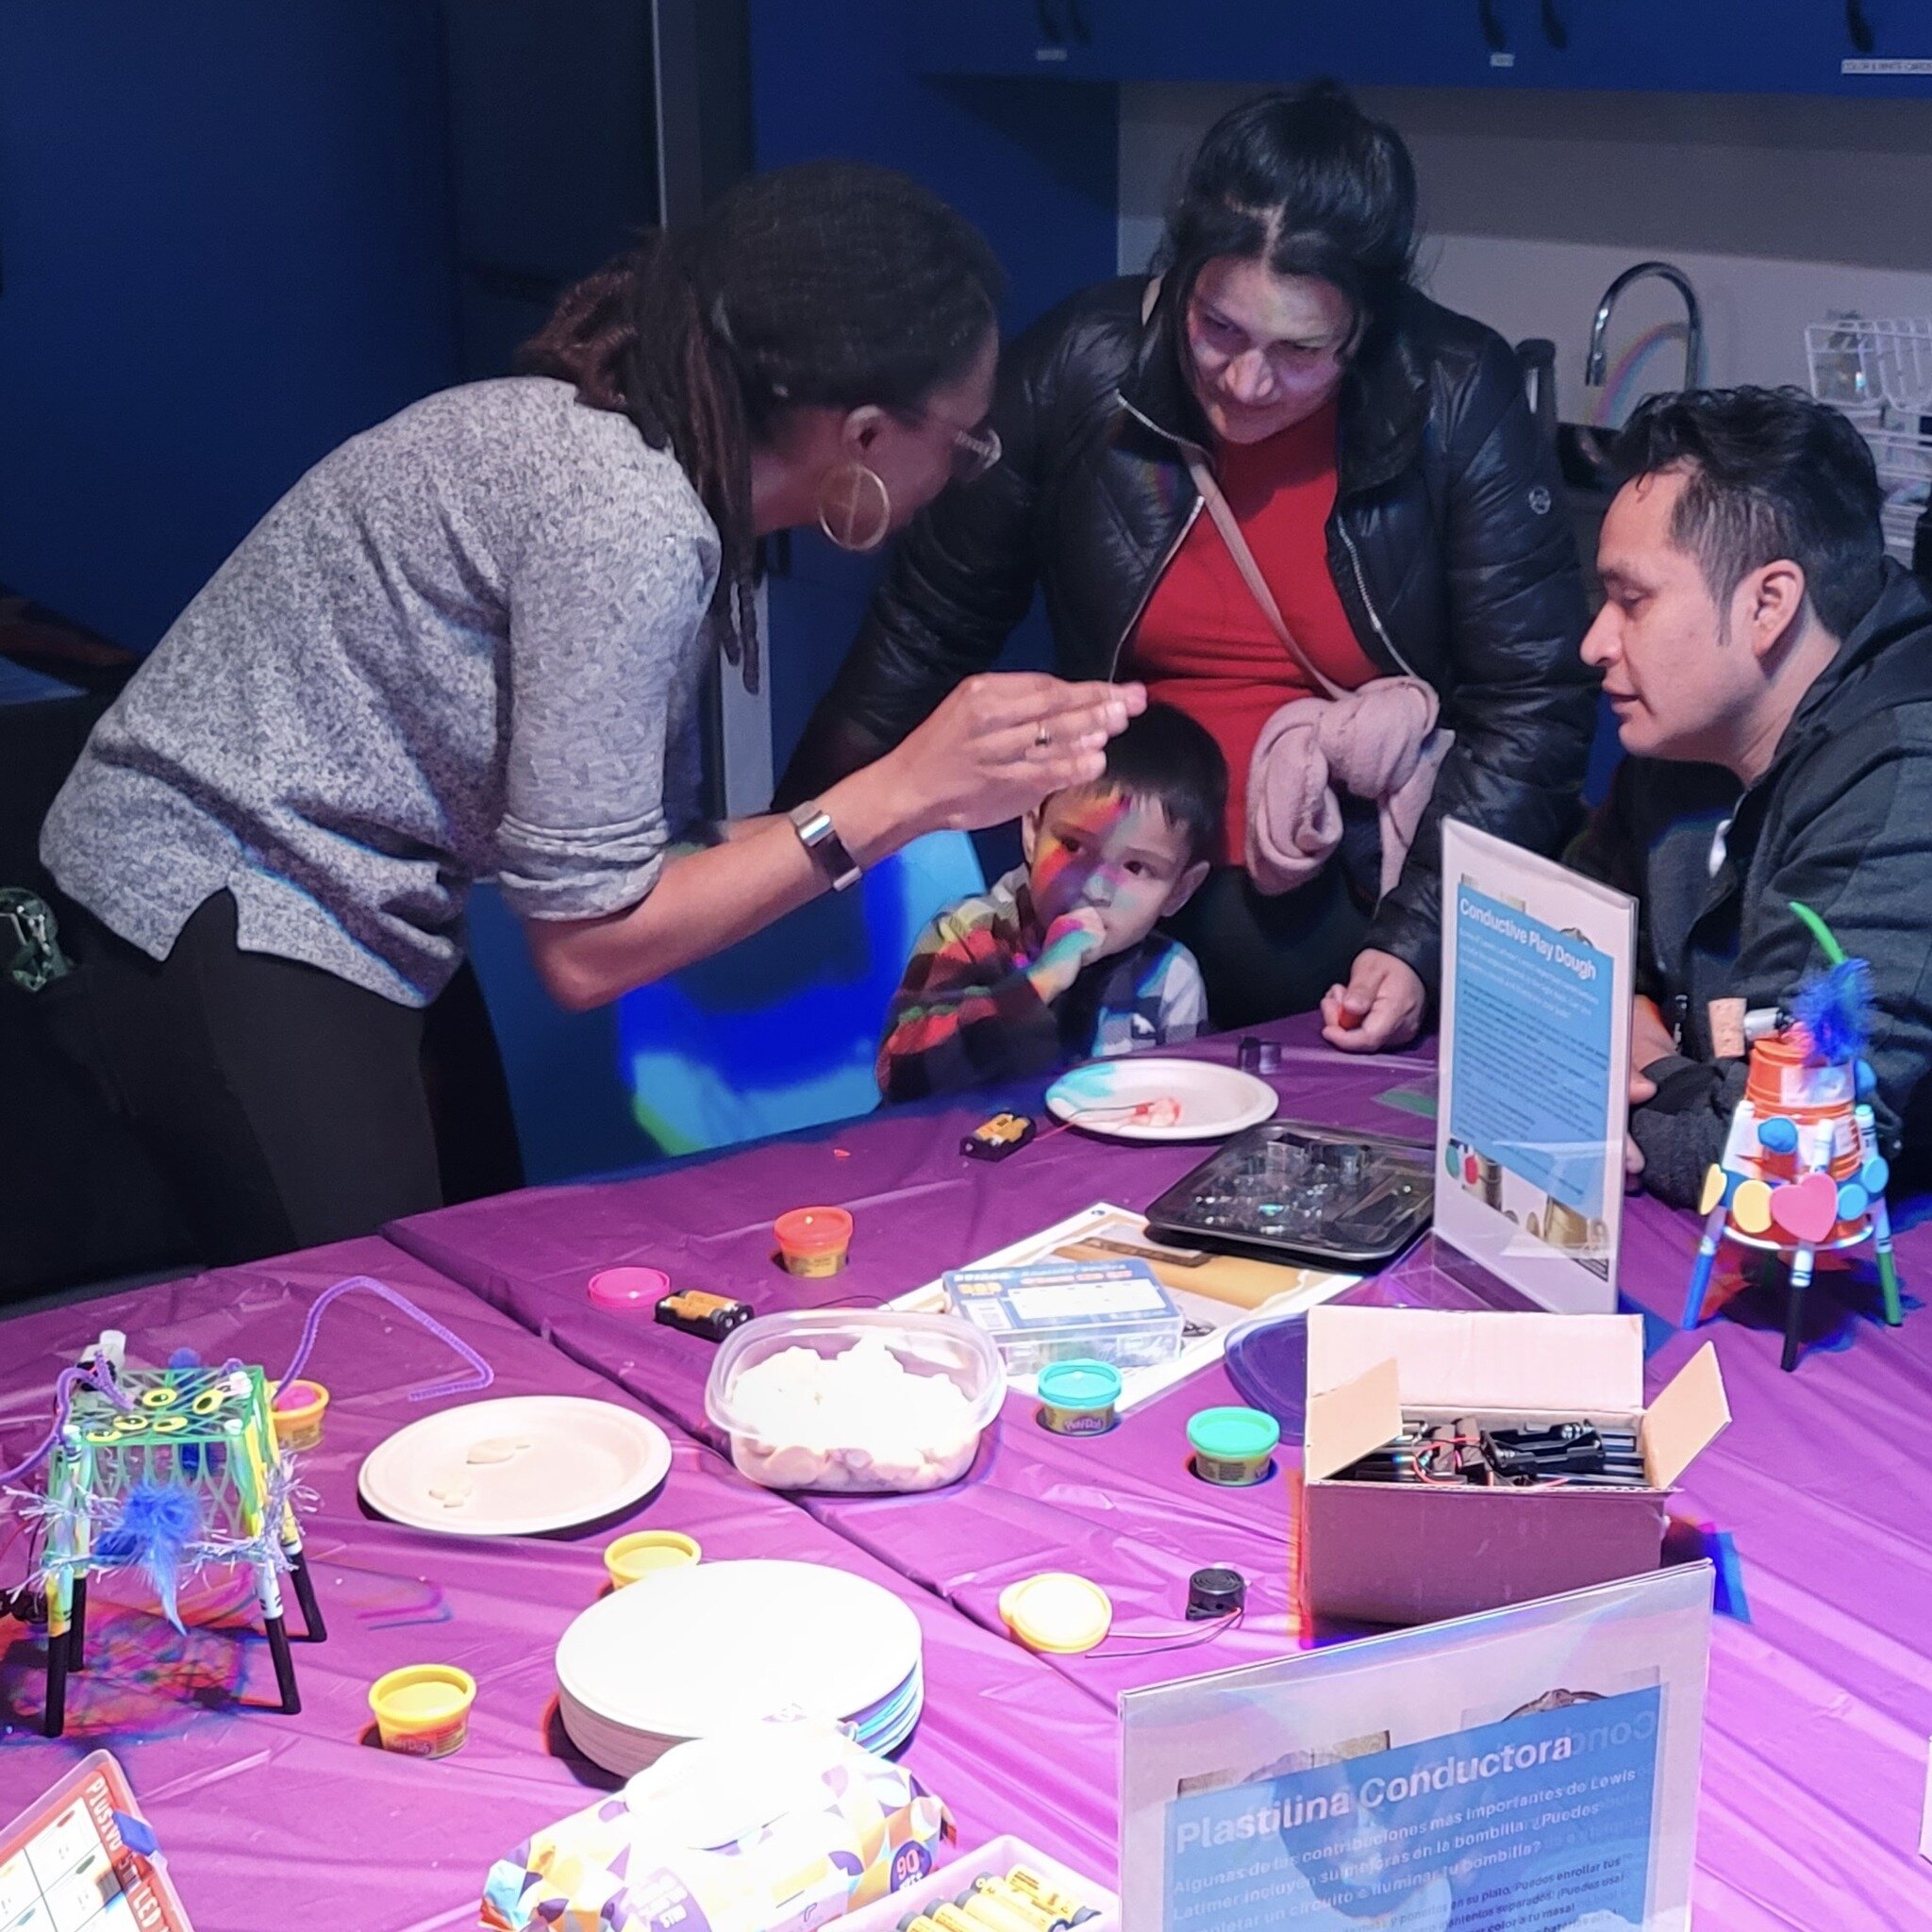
[1402, 1552]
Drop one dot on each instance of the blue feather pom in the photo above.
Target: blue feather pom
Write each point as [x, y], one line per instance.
[1833, 1009]
[157, 1525]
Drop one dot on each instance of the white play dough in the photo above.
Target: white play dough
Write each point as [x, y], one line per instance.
[858, 1420]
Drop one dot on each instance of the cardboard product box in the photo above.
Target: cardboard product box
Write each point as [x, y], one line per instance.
[1402, 1553]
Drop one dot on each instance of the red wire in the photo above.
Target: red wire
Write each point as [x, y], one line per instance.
[1073, 1120]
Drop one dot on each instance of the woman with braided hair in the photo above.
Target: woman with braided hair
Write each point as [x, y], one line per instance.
[468, 644]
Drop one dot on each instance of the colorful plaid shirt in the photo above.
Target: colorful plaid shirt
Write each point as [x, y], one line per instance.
[966, 1012]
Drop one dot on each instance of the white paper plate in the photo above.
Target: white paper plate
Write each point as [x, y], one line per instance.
[521, 1465]
[1213, 1101]
[688, 1653]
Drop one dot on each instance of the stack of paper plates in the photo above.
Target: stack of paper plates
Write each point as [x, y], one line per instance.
[684, 1654]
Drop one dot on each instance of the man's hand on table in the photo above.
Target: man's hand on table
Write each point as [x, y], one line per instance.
[1651, 1041]
[1642, 1088]
[1380, 1007]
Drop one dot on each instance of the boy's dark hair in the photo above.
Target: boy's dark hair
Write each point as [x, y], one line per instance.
[1308, 184]
[1770, 474]
[1163, 756]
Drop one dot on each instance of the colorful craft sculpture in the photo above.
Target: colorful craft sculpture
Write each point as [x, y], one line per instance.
[1802, 1172]
[166, 1471]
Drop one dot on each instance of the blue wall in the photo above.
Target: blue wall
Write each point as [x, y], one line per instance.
[224, 239]
[227, 242]
[1035, 164]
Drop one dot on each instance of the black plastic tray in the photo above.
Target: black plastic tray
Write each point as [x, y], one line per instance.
[1372, 1196]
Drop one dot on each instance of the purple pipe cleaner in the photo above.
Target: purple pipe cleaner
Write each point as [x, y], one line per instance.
[481, 1377]
[63, 1400]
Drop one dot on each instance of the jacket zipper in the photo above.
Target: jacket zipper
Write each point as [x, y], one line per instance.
[1119, 644]
[1368, 603]
[1113, 668]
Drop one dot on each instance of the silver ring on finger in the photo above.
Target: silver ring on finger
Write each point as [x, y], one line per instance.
[1042, 736]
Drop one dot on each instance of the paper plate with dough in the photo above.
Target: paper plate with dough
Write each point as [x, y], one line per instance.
[1157, 1099]
[522, 1465]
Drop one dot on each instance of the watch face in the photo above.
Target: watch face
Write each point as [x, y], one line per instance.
[820, 837]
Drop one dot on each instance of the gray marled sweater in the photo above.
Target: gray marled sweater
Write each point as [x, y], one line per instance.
[467, 644]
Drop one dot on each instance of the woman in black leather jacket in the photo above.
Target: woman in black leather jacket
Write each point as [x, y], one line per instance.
[1390, 483]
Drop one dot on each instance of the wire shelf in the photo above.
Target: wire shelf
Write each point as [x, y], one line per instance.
[1879, 373]
[1857, 364]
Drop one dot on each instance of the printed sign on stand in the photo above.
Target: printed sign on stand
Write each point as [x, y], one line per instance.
[84, 1859]
[1536, 983]
[1531, 1770]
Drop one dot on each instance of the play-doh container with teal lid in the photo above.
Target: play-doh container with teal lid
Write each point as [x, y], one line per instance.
[1078, 1398]
[1232, 1446]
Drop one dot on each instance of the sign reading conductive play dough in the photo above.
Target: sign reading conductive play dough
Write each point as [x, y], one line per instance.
[1536, 980]
[1534, 1770]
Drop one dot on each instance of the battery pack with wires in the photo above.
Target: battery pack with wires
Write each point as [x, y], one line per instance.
[1577, 1453]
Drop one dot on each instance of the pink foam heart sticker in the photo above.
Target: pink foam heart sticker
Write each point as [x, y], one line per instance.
[1806, 1210]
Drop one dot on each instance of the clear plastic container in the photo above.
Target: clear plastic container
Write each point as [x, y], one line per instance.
[943, 1887]
[1109, 1311]
[790, 1429]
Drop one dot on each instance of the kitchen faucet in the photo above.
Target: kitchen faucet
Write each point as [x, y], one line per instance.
[1693, 334]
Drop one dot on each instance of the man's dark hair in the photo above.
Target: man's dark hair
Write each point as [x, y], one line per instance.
[1164, 757]
[1307, 184]
[1769, 473]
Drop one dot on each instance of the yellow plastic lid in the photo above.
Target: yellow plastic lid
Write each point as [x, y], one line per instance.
[1057, 1612]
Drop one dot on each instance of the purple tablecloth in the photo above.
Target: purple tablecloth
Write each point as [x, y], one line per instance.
[1820, 1703]
[274, 1821]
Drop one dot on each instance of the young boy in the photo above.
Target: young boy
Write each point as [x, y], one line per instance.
[1059, 961]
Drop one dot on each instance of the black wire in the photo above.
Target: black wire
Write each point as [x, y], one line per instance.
[1202, 1631]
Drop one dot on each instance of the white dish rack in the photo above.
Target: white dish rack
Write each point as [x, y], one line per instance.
[1879, 373]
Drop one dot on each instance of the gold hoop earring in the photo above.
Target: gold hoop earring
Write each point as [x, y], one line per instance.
[855, 508]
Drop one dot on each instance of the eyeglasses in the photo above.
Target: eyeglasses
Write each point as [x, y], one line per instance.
[975, 451]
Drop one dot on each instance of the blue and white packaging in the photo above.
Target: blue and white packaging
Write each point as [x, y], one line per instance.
[1050, 1311]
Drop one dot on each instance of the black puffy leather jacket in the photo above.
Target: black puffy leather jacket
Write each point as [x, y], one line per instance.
[1449, 545]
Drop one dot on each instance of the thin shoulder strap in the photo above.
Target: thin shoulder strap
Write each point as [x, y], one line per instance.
[1226, 523]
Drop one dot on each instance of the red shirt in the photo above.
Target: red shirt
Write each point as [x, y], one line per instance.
[1202, 644]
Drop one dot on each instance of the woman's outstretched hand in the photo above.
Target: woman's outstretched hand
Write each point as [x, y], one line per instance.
[1002, 740]
[991, 751]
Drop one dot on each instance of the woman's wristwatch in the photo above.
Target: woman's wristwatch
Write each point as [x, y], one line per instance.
[820, 838]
